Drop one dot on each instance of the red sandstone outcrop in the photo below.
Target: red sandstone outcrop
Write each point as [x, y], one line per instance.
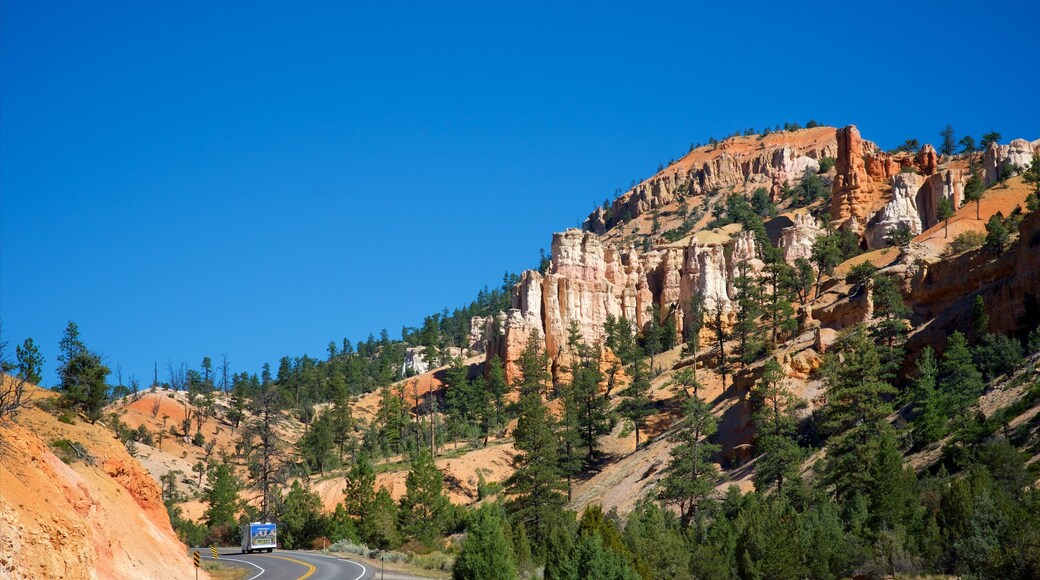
[856, 191]
[741, 163]
[98, 516]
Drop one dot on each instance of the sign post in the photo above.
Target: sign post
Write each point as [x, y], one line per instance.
[197, 564]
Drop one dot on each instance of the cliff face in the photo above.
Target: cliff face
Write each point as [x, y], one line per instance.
[740, 163]
[589, 279]
[99, 517]
[587, 282]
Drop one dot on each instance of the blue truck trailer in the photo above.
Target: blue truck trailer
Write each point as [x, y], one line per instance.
[259, 537]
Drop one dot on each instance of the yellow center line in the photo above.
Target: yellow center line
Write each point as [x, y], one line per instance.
[310, 569]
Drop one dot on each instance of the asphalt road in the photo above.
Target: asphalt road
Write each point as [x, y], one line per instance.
[290, 565]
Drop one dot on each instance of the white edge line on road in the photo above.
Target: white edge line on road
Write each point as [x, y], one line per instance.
[262, 571]
[363, 569]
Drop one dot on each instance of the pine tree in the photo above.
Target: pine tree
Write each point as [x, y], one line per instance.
[485, 554]
[856, 410]
[959, 381]
[944, 212]
[536, 486]
[948, 145]
[300, 518]
[383, 515]
[777, 301]
[826, 255]
[892, 493]
[424, 508]
[930, 410]
[637, 405]
[497, 387]
[891, 326]
[317, 443]
[973, 190]
[691, 475]
[748, 302]
[359, 497]
[266, 463]
[30, 361]
[591, 410]
[221, 496]
[777, 424]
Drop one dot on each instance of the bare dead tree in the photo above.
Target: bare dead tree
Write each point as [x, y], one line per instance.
[13, 395]
[225, 368]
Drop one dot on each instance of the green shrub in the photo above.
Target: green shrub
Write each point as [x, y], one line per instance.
[434, 561]
[826, 164]
[69, 451]
[860, 273]
[966, 241]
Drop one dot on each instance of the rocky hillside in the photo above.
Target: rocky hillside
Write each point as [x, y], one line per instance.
[69, 494]
[595, 273]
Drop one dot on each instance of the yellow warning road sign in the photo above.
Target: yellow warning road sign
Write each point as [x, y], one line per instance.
[197, 559]
[215, 555]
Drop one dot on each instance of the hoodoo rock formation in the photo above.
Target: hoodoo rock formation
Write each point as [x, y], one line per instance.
[591, 278]
[1009, 158]
[796, 241]
[901, 211]
[855, 191]
[586, 283]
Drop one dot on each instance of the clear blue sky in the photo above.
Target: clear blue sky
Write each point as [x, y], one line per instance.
[256, 180]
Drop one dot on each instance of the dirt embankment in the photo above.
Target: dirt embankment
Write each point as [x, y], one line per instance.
[92, 513]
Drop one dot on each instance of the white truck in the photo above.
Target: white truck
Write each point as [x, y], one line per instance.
[259, 537]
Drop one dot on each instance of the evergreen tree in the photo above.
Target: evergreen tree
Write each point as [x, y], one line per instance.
[856, 410]
[973, 190]
[948, 145]
[383, 515]
[83, 385]
[826, 255]
[801, 281]
[929, 407]
[582, 398]
[535, 487]
[497, 387]
[691, 475]
[317, 443]
[485, 554]
[777, 301]
[997, 234]
[685, 380]
[637, 405]
[891, 326]
[959, 381]
[944, 212]
[777, 424]
[221, 497]
[892, 493]
[748, 308]
[265, 462]
[30, 361]
[719, 329]
[359, 497]
[693, 329]
[424, 509]
[300, 518]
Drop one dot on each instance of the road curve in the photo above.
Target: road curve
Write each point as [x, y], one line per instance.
[290, 565]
